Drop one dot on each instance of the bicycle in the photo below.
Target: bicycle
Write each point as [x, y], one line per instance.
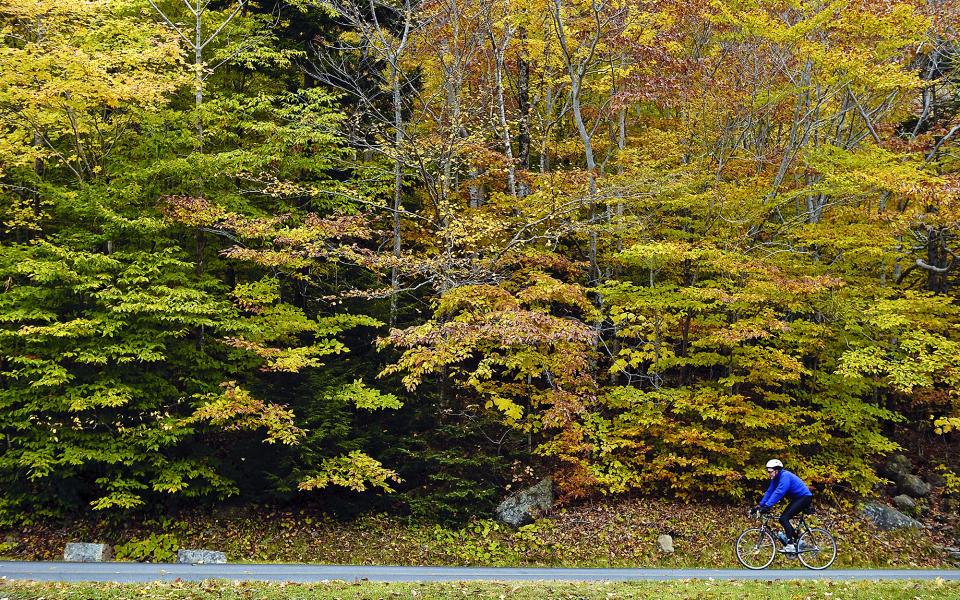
[758, 546]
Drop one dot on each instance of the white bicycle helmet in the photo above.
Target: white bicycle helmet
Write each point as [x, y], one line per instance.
[774, 464]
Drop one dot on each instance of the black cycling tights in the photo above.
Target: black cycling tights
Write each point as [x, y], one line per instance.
[795, 507]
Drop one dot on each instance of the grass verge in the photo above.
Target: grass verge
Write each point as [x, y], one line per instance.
[338, 590]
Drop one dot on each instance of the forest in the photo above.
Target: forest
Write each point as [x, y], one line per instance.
[409, 255]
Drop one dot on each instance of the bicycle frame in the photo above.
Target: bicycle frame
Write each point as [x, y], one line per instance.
[801, 527]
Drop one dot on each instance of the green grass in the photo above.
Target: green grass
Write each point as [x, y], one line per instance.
[338, 590]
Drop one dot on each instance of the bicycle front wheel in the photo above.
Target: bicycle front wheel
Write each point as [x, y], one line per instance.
[756, 548]
[818, 549]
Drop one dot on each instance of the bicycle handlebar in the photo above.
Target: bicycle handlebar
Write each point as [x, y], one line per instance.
[763, 516]
[760, 516]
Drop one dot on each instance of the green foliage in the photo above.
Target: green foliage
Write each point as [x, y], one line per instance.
[642, 249]
[916, 345]
[135, 363]
[367, 398]
[154, 548]
[951, 478]
[89, 357]
[355, 471]
[455, 484]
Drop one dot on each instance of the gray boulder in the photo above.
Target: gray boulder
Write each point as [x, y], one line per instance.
[526, 505]
[885, 518]
[201, 557]
[87, 552]
[896, 467]
[914, 486]
[665, 544]
[905, 503]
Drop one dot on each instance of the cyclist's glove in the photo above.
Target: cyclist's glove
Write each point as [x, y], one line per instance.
[764, 510]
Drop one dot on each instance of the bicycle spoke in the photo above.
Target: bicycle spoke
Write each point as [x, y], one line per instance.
[755, 549]
[818, 549]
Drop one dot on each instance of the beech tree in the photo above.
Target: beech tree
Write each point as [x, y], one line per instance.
[645, 242]
[108, 401]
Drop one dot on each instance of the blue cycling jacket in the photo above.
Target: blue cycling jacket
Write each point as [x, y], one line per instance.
[784, 484]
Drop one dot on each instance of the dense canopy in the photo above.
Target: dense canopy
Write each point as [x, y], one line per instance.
[257, 249]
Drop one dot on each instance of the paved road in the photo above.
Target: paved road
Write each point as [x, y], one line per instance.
[140, 572]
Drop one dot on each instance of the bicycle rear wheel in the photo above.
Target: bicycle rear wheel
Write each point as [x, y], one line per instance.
[756, 548]
[818, 549]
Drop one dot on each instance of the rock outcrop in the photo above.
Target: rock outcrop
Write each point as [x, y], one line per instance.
[913, 486]
[526, 505]
[885, 518]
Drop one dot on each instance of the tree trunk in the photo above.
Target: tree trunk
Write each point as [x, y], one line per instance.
[499, 52]
[397, 188]
[523, 103]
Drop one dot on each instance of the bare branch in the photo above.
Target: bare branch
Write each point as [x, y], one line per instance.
[940, 142]
[172, 24]
[920, 263]
[240, 4]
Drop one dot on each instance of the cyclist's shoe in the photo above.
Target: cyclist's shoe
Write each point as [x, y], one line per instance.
[802, 546]
[790, 549]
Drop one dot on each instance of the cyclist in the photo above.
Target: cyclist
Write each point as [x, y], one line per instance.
[783, 483]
